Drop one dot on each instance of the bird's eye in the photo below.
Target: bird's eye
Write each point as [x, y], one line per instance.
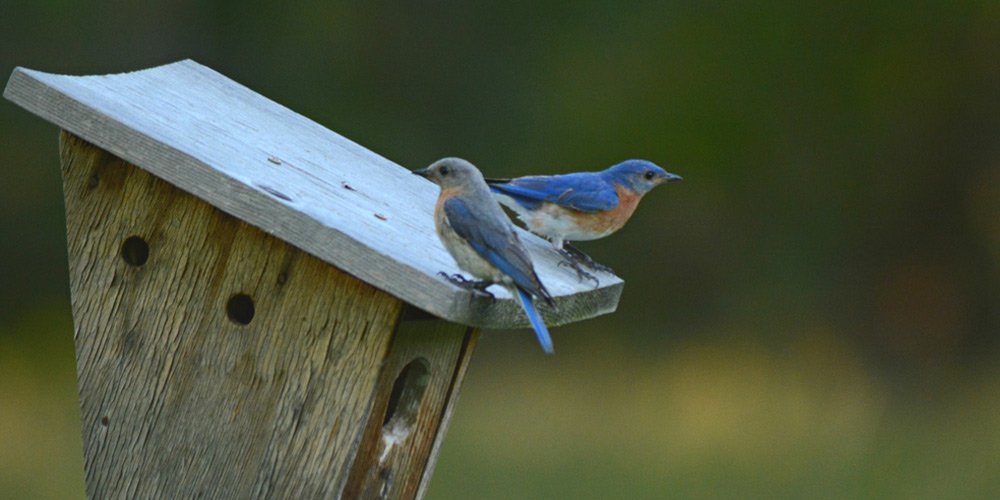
[649, 175]
[443, 171]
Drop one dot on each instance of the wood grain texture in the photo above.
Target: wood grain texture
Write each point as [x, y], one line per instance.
[292, 178]
[395, 452]
[178, 400]
[456, 387]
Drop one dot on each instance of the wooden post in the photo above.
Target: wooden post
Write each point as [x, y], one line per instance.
[248, 292]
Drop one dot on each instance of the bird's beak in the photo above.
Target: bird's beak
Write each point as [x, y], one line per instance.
[425, 173]
[672, 177]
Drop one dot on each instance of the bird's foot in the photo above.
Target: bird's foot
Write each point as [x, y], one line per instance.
[478, 287]
[573, 253]
[573, 264]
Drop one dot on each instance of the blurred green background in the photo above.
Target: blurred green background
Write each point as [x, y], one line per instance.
[813, 312]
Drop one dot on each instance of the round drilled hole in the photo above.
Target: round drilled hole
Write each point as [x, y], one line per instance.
[135, 251]
[240, 309]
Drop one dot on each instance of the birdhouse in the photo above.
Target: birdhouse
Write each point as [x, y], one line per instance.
[256, 301]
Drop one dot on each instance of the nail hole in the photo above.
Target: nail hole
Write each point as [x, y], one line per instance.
[105, 421]
[135, 251]
[240, 309]
[404, 400]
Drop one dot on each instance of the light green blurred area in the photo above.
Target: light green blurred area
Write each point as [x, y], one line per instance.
[717, 419]
[813, 313]
[41, 452]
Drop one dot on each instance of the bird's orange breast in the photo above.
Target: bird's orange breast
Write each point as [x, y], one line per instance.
[446, 194]
[609, 221]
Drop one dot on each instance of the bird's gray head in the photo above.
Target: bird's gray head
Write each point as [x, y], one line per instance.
[639, 175]
[452, 172]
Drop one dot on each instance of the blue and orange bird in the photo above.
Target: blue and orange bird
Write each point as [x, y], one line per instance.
[481, 239]
[581, 206]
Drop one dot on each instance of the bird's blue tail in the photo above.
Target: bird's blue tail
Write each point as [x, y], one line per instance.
[536, 321]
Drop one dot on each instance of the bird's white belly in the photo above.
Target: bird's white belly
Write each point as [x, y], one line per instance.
[552, 221]
[557, 222]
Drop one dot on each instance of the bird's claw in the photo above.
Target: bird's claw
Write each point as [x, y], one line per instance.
[456, 279]
[575, 254]
[477, 287]
[580, 273]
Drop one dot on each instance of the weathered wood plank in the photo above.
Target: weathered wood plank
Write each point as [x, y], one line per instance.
[417, 390]
[178, 398]
[292, 178]
[449, 409]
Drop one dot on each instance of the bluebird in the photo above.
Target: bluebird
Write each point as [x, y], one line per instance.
[581, 206]
[481, 239]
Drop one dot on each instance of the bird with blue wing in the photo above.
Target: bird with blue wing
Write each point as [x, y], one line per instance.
[477, 234]
[580, 206]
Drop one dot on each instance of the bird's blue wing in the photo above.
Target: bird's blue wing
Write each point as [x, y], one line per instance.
[583, 191]
[495, 242]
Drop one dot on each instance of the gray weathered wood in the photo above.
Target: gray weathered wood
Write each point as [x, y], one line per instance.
[395, 457]
[456, 386]
[292, 178]
[179, 401]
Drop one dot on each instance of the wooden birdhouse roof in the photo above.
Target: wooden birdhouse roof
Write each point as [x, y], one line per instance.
[293, 178]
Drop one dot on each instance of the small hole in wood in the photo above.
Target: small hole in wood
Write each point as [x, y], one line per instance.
[240, 309]
[274, 192]
[404, 400]
[105, 421]
[135, 251]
